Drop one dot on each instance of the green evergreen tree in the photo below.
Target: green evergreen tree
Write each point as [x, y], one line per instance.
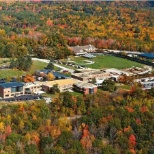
[50, 66]
[13, 63]
[108, 85]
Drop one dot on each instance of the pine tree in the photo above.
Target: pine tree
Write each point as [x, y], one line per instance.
[50, 66]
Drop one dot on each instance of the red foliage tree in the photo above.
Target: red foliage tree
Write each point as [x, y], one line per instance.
[132, 89]
[8, 130]
[86, 138]
[2, 137]
[129, 109]
[144, 109]
[132, 141]
[138, 121]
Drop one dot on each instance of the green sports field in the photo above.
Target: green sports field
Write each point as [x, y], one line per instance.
[106, 62]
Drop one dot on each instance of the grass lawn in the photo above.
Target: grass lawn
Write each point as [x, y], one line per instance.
[56, 68]
[37, 65]
[107, 62]
[123, 86]
[49, 95]
[66, 66]
[76, 93]
[113, 62]
[4, 61]
[79, 60]
[8, 73]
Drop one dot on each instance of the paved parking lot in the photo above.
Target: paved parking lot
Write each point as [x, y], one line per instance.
[23, 97]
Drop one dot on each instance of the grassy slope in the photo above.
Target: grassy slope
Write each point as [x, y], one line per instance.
[37, 65]
[11, 73]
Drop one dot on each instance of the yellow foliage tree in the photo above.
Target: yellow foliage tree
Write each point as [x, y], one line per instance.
[55, 131]
[64, 124]
[2, 126]
[35, 137]
[21, 125]
[27, 138]
[50, 77]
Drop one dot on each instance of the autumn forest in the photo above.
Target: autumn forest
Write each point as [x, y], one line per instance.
[46, 29]
[107, 122]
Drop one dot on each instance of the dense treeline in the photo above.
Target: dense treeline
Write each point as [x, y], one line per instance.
[117, 123]
[46, 29]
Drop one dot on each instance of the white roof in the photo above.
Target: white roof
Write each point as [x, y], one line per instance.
[113, 70]
[148, 82]
[30, 84]
[99, 81]
[85, 85]
[39, 92]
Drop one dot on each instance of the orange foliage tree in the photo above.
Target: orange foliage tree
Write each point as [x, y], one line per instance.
[28, 78]
[86, 139]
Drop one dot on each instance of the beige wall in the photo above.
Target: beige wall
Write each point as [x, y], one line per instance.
[32, 89]
[7, 93]
[62, 88]
[87, 76]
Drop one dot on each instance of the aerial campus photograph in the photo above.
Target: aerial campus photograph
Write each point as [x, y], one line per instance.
[76, 77]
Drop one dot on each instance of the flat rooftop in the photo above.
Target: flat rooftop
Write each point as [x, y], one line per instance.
[85, 85]
[147, 55]
[116, 71]
[11, 84]
[60, 82]
[91, 72]
[30, 84]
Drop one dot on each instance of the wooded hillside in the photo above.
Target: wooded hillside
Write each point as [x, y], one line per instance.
[46, 28]
[117, 123]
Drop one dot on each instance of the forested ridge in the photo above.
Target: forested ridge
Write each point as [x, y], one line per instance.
[117, 123]
[45, 29]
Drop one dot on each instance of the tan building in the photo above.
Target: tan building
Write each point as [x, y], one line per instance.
[81, 50]
[11, 89]
[88, 76]
[32, 88]
[63, 84]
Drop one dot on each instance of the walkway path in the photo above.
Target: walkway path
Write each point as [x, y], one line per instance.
[74, 117]
[47, 61]
[89, 62]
